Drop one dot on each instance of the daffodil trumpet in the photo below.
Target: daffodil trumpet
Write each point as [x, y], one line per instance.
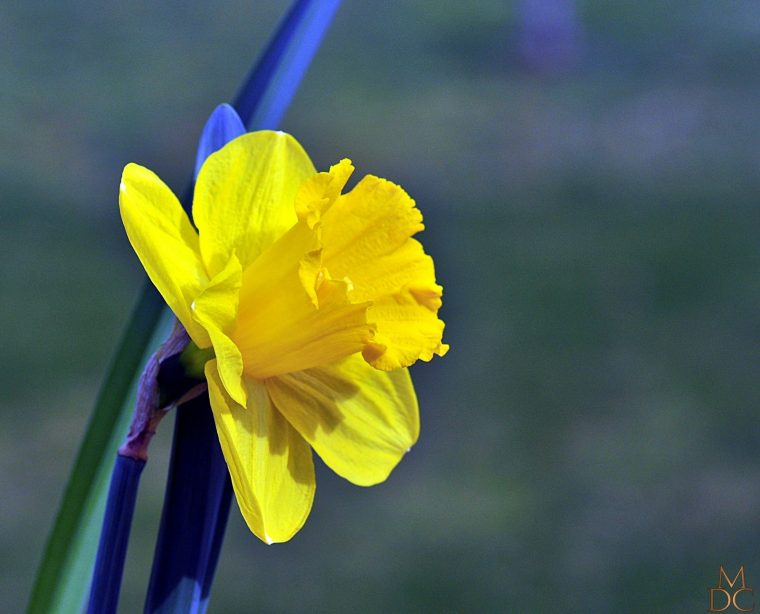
[314, 302]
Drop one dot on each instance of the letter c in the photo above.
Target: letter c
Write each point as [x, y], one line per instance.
[751, 591]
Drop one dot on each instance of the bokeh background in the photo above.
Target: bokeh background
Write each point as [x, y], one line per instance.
[590, 176]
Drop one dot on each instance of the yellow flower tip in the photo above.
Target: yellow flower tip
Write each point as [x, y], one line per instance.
[341, 172]
[128, 170]
[338, 176]
[402, 206]
[317, 194]
[439, 350]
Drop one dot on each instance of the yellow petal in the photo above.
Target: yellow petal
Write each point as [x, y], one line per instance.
[293, 315]
[165, 242]
[318, 193]
[215, 310]
[244, 196]
[407, 328]
[367, 239]
[359, 420]
[269, 462]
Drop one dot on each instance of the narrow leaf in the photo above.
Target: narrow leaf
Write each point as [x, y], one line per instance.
[271, 85]
[63, 576]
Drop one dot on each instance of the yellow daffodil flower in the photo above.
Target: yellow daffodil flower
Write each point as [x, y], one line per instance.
[314, 303]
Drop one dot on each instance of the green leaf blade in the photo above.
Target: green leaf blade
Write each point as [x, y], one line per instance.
[70, 550]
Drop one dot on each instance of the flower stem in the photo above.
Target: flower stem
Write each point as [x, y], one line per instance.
[194, 518]
[151, 406]
[112, 549]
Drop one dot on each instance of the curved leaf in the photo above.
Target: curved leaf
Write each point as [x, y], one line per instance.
[63, 577]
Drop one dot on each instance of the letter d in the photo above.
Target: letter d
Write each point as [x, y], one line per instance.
[712, 600]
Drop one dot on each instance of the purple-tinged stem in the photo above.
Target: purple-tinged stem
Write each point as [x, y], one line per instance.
[150, 408]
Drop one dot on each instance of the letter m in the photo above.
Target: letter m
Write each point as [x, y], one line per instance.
[722, 575]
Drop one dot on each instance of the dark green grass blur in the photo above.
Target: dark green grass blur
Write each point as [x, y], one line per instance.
[590, 444]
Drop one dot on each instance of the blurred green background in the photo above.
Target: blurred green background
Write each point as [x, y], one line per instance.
[590, 177]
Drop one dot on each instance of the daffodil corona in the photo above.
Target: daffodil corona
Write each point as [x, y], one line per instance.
[314, 303]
